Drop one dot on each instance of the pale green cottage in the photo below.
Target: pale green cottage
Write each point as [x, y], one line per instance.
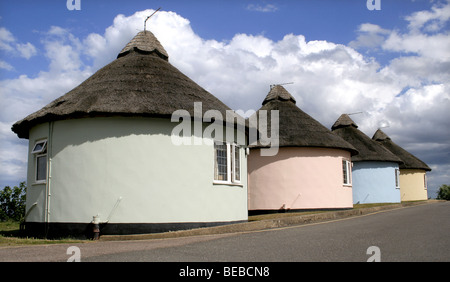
[104, 152]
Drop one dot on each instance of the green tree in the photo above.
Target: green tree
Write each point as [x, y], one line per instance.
[12, 202]
[444, 192]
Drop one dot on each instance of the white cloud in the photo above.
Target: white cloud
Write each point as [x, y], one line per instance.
[435, 46]
[430, 20]
[4, 65]
[370, 36]
[26, 50]
[9, 44]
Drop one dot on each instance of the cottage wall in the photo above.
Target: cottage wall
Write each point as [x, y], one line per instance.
[298, 178]
[127, 170]
[413, 186]
[374, 182]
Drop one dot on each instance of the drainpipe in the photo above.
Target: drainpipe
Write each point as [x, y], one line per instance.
[49, 175]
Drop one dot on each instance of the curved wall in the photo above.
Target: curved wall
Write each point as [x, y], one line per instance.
[412, 185]
[127, 170]
[298, 178]
[374, 182]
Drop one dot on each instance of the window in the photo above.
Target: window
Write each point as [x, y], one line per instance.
[227, 163]
[236, 164]
[40, 152]
[397, 178]
[221, 162]
[39, 147]
[425, 181]
[346, 171]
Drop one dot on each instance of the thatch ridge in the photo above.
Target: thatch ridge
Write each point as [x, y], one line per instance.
[368, 149]
[135, 84]
[409, 160]
[297, 128]
[145, 42]
[278, 92]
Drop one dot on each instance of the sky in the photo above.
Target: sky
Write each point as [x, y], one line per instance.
[390, 66]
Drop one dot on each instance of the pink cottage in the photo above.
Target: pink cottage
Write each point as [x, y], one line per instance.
[312, 169]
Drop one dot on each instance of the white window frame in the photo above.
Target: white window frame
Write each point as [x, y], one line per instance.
[346, 172]
[231, 164]
[425, 181]
[397, 178]
[43, 147]
[39, 153]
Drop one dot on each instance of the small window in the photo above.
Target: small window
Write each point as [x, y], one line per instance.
[39, 147]
[227, 166]
[397, 178]
[425, 182]
[40, 152]
[41, 168]
[346, 172]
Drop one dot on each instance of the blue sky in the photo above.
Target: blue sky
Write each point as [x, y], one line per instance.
[391, 64]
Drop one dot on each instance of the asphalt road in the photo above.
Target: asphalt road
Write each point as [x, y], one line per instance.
[417, 233]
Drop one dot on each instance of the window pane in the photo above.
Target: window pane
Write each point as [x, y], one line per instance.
[41, 168]
[220, 170]
[39, 147]
[397, 184]
[237, 164]
[344, 171]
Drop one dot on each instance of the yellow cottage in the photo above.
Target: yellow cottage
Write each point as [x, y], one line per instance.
[413, 177]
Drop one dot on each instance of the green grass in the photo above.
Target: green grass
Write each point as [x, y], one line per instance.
[10, 236]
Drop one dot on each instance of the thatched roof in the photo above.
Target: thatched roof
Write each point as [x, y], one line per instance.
[297, 128]
[368, 149]
[140, 82]
[409, 160]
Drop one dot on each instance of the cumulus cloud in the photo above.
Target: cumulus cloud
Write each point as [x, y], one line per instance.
[369, 36]
[10, 44]
[432, 20]
[410, 93]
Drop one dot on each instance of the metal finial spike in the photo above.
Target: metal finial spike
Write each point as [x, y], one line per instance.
[355, 113]
[272, 85]
[145, 22]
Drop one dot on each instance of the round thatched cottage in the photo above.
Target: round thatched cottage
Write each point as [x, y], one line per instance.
[104, 153]
[311, 170]
[413, 178]
[375, 169]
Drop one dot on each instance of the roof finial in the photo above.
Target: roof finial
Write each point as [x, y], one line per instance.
[355, 113]
[145, 22]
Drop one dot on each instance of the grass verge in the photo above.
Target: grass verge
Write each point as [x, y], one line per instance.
[10, 236]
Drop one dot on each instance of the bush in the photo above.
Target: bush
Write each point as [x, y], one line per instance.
[444, 192]
[12, 202]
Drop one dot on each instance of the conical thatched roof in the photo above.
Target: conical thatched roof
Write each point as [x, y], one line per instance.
[140, 82]
[297, 128]
[409, 160]
[368, 149]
